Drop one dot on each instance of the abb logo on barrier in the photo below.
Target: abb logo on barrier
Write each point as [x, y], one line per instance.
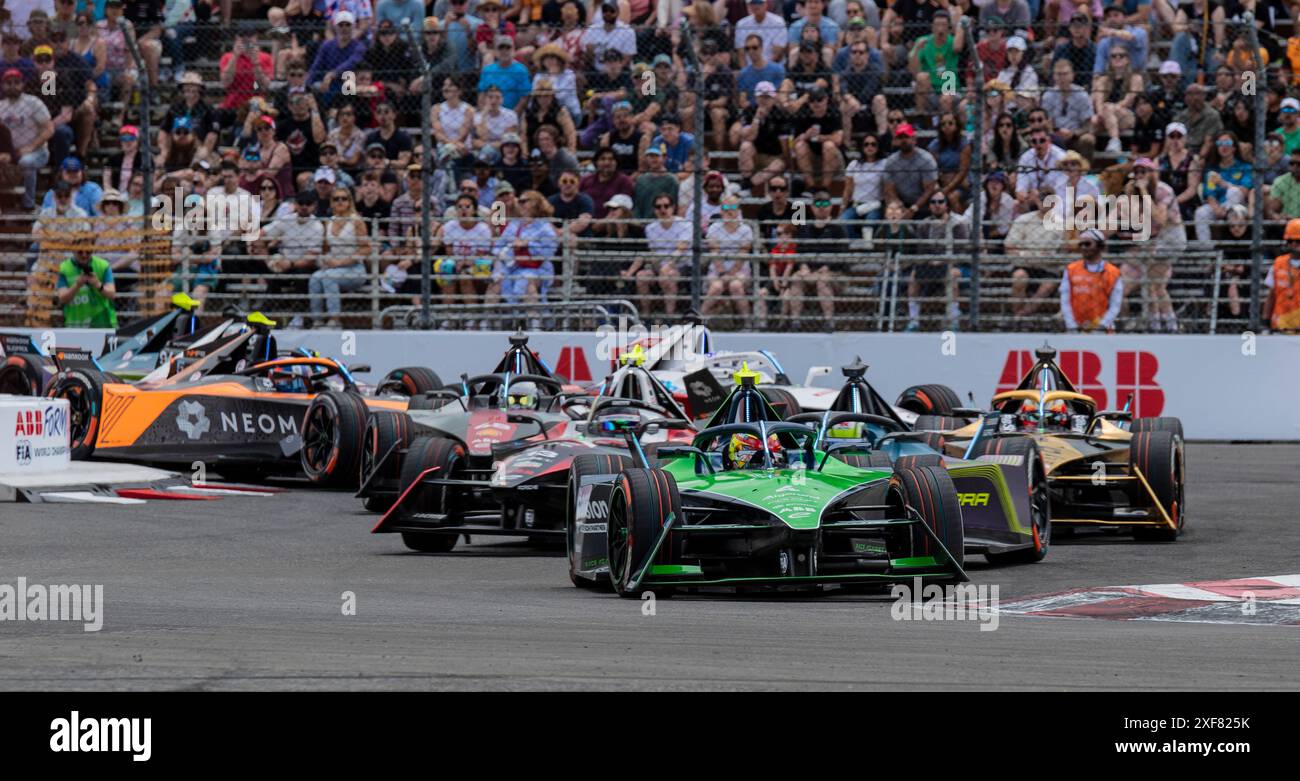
[1135, 372]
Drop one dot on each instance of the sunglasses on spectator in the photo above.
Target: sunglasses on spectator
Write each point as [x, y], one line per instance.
[730, 207]
[1175, 134]
[1224, 142]
[127, 137]
[822, 204]
[340, 199]
[938, 201]
[1038, 141]
[663, 206]
[777, 188]
[869, 144]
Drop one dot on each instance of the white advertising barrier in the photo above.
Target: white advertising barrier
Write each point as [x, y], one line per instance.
[33, 435]
[1240, 387]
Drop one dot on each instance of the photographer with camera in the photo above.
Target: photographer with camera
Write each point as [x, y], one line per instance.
[86, 290]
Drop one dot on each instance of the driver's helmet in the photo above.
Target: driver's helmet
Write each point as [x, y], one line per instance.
[744, 450]
[289, 379]
[1057, 407]
[522, 395]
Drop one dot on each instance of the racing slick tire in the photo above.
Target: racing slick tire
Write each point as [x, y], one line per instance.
[1040, 502]
[424, 454]
[641, 500]
[782, 400]
[384, 428]
[411, 381]
[1158, 424]
[930, 492]
[873, 460]
[1159, 454]
[929, 400]
[84, 390]
[924, 459]
[22, 375]
[333, 435]
[591, 464]
[937, 423]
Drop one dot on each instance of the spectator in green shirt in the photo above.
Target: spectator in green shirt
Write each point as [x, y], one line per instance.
[1289, 113]
[1284, 195]
[86, 290]
[935, 61]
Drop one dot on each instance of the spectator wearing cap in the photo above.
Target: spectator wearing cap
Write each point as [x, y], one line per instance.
[1283, 201]
[654, 181]
[1114, 92]
[1033, 243]
[244, 71]
[323, 182]
[507, 74]
[719, 92]
[390, 58]
[1070, 109]
[85, 194]
[404, 231]
[86, 288]
[714, 188]
[514, 166]
[552, 64]
[1148, 128]
[677, 144]
[814, 16]
[124, 162]
[292, 245]
[1115, 31]
[38, 33]
[484, 175]
[376, 160]
[609, 87]
[1202, 122]
[1180, 168]
[337, 56]
[606, 182]
[855, 31]
[609, 32]
[616, 238]
[934, 61]
[203, 118]
[440, 56]
[1092, 290]
[303, 131]
[330, 160]
[30, 127]
[263, 153]
[1078, 50]
[1019, 74]
[470, 187]
[362, 12]
[11, 57]
[1227, 85]
[911, 174]
[1289, 116]
[494, 26]
[1166, 92]
[116, 239]
[64, 19]
[626, 138]
[757, 69]
[73, 118]
[992, 47]
[1228, 180]
[760, 134]
[769, 28]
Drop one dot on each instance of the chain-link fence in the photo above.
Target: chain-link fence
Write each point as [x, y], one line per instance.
[469, 165]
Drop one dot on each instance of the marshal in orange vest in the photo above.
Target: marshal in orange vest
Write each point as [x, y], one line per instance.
[1090, 292]
[1286, 295]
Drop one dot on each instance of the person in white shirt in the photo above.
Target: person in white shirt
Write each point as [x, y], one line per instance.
[609, 33]
[669, 239]
[293, 244]
[731, 241]
[768, 26]
[1039, 166]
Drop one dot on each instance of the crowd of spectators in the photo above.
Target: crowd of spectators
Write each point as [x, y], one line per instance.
[828, 129]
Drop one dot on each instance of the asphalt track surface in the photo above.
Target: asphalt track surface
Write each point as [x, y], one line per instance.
[246, 594]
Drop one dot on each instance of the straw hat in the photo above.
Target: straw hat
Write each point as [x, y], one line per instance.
[551, 50]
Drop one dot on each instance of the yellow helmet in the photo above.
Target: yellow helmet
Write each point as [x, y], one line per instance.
[1292, 230]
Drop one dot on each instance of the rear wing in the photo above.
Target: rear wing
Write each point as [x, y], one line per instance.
[18, 344]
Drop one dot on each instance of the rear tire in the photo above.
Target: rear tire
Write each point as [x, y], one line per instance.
[84, 390]
[782, 400]
[931, 493]
[426, 453]
[23, 375]
[937, 423]
[1040, 504]
[592, 464]
[411, 380]
[333, 436]
[641, 500]
[929, 400]
[1158, 424]
[384, 428]
[1159, 454]
[924, 459]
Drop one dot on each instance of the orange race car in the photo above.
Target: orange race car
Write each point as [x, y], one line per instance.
[237, 405]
